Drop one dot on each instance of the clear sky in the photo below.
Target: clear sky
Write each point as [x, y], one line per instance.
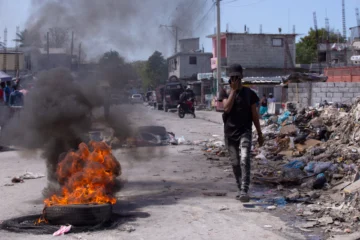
[272, 14]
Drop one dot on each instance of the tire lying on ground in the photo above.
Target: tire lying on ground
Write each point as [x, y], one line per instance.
[78, 214]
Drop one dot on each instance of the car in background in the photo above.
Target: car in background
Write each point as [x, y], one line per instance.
[136, 98]
[172, 92]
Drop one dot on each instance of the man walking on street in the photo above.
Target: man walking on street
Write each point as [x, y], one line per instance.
[240, 113]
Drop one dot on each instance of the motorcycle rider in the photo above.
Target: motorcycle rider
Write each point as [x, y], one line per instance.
[187, 100]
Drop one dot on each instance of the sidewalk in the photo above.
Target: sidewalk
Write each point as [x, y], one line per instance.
[211, 116]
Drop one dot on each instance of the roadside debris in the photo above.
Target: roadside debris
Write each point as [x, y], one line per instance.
[215, 194]
[310, 160]
[62, 230]
[127, 228]
[30, 175]
[223, 208]
[17, 180]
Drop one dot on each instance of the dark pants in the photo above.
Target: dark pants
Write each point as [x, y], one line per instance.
[239, 152]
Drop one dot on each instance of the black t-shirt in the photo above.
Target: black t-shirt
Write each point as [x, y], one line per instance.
[239, 119]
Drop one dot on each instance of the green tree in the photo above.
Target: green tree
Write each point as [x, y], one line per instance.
[116, 70]
[111, 59]
[306, 48]
[58, 37]
[139, 68]
[155, 71]
[27, 39]
[21, 38]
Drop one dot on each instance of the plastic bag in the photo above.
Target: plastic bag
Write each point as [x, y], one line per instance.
[295, 164]
[181, 140]
[283, 117]
[321, 167]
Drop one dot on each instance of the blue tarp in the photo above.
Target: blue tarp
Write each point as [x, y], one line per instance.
[4, 77]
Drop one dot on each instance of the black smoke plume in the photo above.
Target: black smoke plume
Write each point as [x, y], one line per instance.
[57, 116]
[130, 26]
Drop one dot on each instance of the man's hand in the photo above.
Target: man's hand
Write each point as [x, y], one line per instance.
[260, 139]
[235, 84]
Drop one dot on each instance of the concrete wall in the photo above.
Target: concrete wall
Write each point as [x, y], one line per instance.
[174, 66]
[306, 94]
[202, 65]
[10, 61]
[257, 50]
[191, 44]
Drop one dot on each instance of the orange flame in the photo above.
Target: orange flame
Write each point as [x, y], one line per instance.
[87, 176]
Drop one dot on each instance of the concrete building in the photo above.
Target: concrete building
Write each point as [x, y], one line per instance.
[58, 57]
[12, 59]
[186, 65]
[260, 54]
[189, 44]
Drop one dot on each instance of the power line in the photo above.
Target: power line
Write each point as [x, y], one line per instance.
[244, 5]
[204, 17]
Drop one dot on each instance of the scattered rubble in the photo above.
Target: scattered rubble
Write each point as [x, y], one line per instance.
[25, 176]
[314, 155]
[127, 228]
[311, 158]
[62, 230]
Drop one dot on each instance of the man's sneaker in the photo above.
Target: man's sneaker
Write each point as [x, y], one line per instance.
[244, 197]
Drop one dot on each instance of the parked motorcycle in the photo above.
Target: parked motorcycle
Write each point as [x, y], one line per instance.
[186, 108]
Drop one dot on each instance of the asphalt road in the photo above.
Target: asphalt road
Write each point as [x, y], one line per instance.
[163, 192]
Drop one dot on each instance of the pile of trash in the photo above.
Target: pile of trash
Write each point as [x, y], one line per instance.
[313, 157]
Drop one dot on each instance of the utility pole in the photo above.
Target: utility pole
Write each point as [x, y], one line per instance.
[344, 31]
[79, 61]
[5, 51]
[72, 44]
[176, 28]
[218, 47]
[72, 50]
[176, 39]
[17, 63]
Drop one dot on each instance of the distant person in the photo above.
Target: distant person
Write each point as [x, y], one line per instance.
[7, 92]
[271, 104]
[263, 105]
[2, 85]
[190, 92]
[271, 98]
[16, 98]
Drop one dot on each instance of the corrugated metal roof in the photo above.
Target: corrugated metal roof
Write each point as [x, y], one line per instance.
[263, 80]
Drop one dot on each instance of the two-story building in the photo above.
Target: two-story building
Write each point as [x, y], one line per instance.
[189, 62]
[265, 55]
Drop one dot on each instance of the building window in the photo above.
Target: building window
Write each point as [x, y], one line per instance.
[192, 60]
[277, 42]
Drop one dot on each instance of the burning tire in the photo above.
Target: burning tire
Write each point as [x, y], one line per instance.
[78, 215]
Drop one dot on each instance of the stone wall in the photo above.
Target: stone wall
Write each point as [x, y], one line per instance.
[309, 94]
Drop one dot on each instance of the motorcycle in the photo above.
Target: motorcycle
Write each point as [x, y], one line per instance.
[186, 108]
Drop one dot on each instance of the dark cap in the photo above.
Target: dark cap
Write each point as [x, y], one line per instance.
[235, 70]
